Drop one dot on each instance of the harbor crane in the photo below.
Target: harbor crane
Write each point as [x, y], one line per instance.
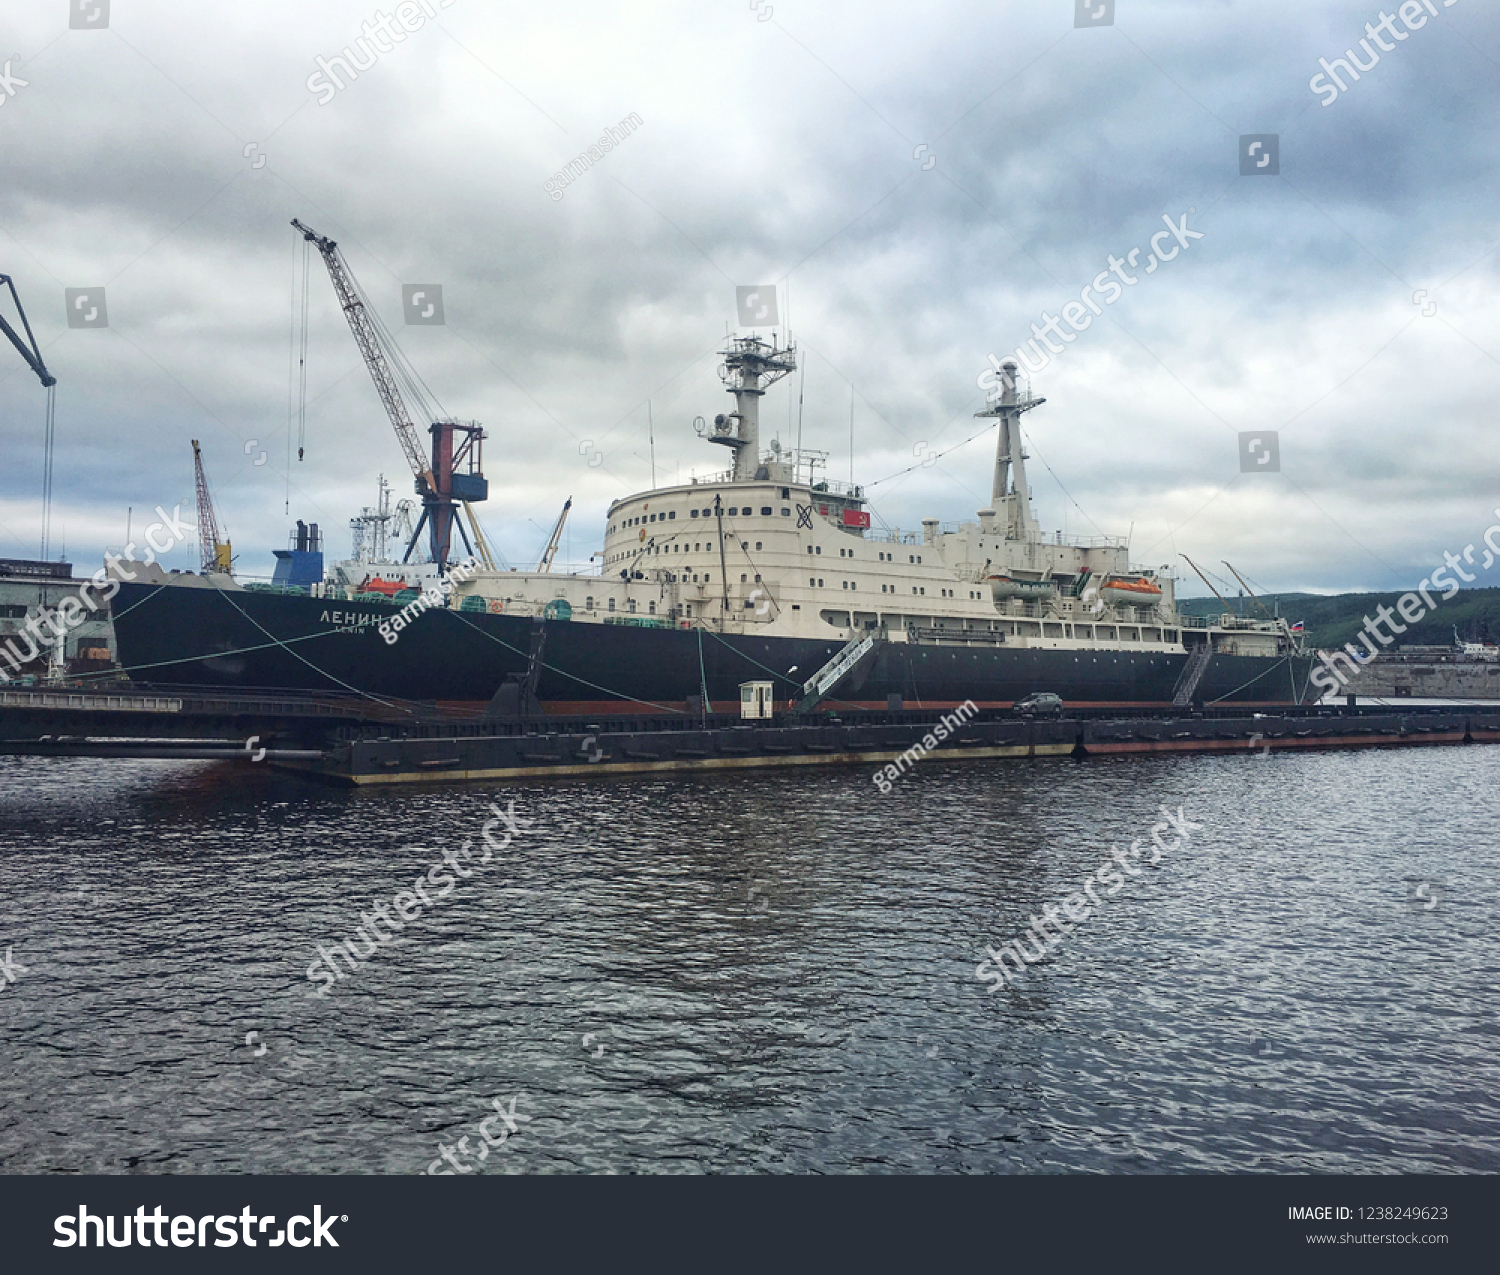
[33, 356]
[452, 474]
[213, 545]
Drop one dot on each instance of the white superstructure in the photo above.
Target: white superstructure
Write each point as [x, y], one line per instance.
[764, 548]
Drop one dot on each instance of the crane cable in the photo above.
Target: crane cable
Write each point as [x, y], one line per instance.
[49, 434]
[302, 354]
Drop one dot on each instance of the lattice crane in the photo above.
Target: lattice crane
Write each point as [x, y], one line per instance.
[213, 546]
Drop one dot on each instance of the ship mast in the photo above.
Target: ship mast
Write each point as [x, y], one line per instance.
[750, 366]
[1009, 495]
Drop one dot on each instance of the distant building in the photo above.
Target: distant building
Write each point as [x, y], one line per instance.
[26, 589]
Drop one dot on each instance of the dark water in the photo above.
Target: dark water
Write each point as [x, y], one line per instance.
[779, 970]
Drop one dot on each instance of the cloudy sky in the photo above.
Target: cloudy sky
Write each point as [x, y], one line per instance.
[919, 183]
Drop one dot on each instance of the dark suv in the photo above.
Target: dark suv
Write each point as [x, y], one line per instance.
[1040, 704]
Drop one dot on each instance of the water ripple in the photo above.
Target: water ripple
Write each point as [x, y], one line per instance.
[770, 974]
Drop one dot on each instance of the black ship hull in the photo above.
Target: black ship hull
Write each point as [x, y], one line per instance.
[183, 635]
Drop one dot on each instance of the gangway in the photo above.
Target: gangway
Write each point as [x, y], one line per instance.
[820, 684]
[1192, 673]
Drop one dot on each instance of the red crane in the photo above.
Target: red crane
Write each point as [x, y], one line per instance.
[453, 474]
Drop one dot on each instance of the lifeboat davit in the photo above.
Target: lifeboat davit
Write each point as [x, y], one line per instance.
[1136, 591]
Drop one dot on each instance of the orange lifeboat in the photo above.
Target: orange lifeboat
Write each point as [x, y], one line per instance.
[1137, 591]
[374, 584]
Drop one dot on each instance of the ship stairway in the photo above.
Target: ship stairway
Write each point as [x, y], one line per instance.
[1192, 674]
[822, 683]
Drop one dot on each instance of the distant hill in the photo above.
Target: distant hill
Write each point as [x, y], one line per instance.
[1332, 621]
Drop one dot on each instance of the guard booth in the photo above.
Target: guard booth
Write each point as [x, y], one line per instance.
[755, 701]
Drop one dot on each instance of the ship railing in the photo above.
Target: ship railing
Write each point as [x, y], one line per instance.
[1056, 538]
[833, 487]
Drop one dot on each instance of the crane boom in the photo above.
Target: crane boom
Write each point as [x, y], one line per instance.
[31, 352]
[213, 546]
[1211, 588]
[33, 355]
[1248, 590]
[369, 344]
[481, 545]
[551, 551]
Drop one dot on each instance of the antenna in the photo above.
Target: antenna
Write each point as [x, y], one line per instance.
[651, 439]
[801, 389]
[851, 432]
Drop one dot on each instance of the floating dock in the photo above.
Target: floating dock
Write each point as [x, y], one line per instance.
[347, 740]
